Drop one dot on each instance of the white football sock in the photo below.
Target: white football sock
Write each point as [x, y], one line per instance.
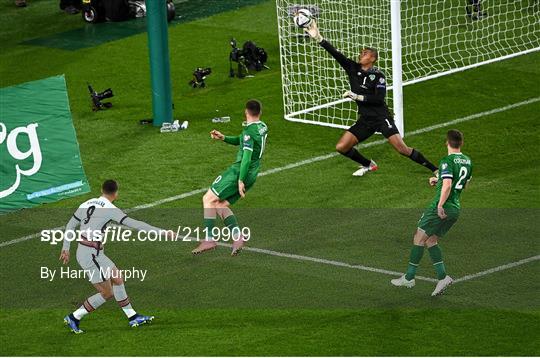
[91, 304]
[122, 298]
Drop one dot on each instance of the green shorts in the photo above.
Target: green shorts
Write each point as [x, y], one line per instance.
[432, 224]
[226, 185]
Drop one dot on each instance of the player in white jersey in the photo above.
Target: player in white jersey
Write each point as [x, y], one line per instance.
[92, 218]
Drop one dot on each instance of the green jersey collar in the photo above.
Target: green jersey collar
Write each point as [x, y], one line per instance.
[246, 124]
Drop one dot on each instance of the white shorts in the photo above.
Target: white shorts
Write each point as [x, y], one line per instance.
[97, 265]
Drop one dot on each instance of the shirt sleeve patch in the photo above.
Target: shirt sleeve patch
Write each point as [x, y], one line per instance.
[446, 170]
[247, 141]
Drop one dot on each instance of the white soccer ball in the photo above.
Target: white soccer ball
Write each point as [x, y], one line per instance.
[303, 18]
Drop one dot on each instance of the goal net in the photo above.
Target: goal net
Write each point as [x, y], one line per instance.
[438, 37]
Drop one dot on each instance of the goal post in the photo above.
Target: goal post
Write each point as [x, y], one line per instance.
[417, 40]
[397, 72]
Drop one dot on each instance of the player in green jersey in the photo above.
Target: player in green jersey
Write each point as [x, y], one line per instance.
[234, 182]
[454, 173]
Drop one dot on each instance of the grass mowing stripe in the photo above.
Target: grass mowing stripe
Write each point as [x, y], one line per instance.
[497, 269]
[326, 262]
[308, 161]
[334, 154]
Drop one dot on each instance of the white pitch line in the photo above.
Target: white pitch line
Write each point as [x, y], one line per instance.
[169, 199]
[497, 269]
[27, 237]
[386, 272]
[326, 262]
[382, 271]
[309, 161]
[474, 116]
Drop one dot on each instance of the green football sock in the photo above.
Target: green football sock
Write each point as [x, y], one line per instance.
[436, 256]
[231, 222]
[209, 224]
[414, 260]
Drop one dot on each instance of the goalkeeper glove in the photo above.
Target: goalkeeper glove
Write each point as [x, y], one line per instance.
[313, 31]
[353, 96]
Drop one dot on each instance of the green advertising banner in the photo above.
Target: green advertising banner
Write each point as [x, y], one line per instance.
[39, 153]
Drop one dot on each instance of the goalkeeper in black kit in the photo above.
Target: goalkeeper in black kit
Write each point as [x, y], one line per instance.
[368, 90]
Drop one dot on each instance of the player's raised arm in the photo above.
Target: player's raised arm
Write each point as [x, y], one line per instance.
[139, 225]
[120, 217]
[217, 135]
[313, 32]
[232, 139]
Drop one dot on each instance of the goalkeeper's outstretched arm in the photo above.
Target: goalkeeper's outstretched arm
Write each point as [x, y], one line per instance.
[345, 62]
[313, 32]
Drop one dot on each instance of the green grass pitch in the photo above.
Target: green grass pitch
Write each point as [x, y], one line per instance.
[325, 244]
